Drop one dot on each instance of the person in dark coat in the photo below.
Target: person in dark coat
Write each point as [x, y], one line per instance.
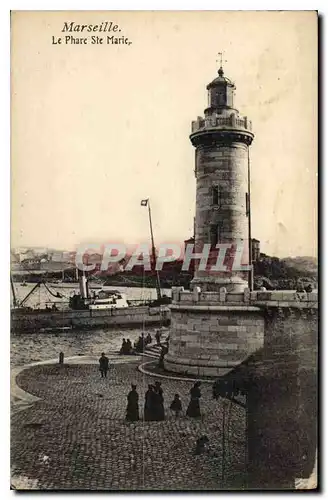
[159, 413]
[164, 351]
[176, 405]
[140, 345]
[149, 404]
[193, 409]
[202, 445]
[148, 339]
[132, 410]
[158, 337]
[103, 365]
[123, 347]
[128, 347]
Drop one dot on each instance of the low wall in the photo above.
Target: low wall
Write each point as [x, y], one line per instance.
[132, 316]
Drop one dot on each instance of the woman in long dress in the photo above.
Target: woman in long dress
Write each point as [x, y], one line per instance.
[193, 409]
[149, 404]
[132, 411]
[159, 402]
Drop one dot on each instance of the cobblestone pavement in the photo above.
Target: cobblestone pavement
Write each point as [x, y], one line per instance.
[76, 436]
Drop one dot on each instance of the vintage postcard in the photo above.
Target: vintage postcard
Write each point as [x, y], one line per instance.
[164, 288]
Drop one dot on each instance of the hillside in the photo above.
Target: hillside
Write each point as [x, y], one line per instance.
[307, 265]
[285, 274]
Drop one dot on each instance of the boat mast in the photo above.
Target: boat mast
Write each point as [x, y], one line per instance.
[13, 291]
[158, 283]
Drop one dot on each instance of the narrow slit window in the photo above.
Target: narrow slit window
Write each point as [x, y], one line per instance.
[215, 195]
[214, 235]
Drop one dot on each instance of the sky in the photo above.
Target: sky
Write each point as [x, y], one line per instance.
[97, 128]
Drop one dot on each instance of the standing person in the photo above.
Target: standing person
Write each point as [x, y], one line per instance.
[148, 339]
[176, 405]
[103, 365]
[123, 347]
[128, 347]
[164, 351]
[193, 409]
[149, 404]
[132, 410]
[158, 337]
[159, 402]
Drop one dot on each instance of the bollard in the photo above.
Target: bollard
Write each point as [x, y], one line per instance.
[61, 358]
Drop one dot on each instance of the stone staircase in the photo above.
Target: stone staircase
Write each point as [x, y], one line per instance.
[154, 350]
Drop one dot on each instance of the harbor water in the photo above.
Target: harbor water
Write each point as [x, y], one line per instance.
[30, 347]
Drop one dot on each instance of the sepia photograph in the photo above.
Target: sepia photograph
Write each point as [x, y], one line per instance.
[164, 251]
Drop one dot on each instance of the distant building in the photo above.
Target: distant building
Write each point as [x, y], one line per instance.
[255, 250]
[26, 256]
[56, 257]
[190, 241]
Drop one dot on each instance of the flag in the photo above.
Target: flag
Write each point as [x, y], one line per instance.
[144, 203]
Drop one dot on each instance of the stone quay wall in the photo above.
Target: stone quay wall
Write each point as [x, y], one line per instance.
[212, 332]
[283, 382]
[129, 317]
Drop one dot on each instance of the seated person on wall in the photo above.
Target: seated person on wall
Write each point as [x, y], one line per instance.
[300, 287]
[123, 347]
[126, 348]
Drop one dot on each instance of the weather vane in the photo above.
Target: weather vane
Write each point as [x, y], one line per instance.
[220, 54]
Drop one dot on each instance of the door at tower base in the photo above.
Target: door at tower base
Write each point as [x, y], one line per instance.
[211, 343]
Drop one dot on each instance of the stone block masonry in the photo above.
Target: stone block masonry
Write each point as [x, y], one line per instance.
[211, 337]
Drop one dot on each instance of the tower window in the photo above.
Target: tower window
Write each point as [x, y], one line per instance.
[215, 195]
[214, 234]
[220, 97]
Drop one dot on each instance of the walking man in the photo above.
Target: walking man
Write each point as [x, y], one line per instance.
[103, 365]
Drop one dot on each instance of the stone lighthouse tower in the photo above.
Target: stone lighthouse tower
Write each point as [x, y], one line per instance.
[214, 327]
[222, 139]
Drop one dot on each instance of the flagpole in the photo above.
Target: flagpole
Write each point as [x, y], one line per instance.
[251, 275]
[158, 284]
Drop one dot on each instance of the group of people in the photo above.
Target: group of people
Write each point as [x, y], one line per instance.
[142, 342]
[154, 403]
[126, 348]
[154, 396]
[139, 345]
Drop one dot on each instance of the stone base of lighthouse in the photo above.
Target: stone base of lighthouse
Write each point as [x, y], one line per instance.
[212, 332]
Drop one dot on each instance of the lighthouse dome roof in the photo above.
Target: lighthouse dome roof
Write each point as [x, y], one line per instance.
[220, 80]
